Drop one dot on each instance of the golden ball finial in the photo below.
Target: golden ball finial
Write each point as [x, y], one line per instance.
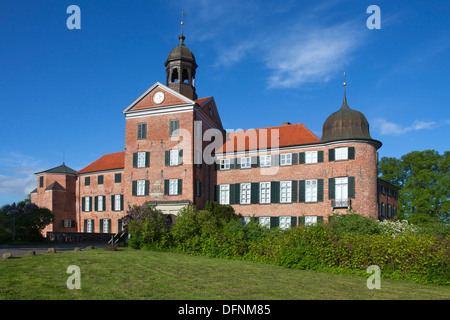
[182, 23]
[345, 84]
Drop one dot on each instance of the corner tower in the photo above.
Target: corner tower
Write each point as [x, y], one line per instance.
[180, 70]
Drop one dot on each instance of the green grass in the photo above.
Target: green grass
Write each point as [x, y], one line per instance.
[138, 274]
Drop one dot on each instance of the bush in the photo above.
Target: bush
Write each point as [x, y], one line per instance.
[353, 223]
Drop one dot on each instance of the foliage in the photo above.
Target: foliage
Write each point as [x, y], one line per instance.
[149, 227]
[353, 223]
[424, 181]
[30, 220]
[393, 228]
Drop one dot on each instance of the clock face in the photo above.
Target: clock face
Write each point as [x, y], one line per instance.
[158, 97]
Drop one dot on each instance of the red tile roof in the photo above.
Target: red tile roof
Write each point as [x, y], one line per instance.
[107, 162]
[288, 135]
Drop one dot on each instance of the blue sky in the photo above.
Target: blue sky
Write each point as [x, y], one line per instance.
[265, 62]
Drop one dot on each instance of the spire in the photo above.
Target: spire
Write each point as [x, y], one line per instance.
[344, 103]
[181, 36]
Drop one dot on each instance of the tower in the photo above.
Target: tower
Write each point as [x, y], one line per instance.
[180, 70]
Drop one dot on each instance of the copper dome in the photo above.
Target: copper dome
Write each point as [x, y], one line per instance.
[181, 52]
[345, 124]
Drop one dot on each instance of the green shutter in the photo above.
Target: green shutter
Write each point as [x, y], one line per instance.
[119, 225]
[293, 222]
[167, 158]
[147, 159]
[135, 160]
[217, 193]
[320, 156]
[254, 196]
[96, 203]
[351, 187]
[274, 222]
[301, 220]
[121, 202]
[301, 188]
[331, 155]
[166, 187]
[275, 192]
[301, 158]
[90, 203]
[100, 179]
[83, 204]
[331, 191]
[134, 188]
[87, 181]
[294, 158]
[41, 181]
[232, 194]
[319, 219]
[294, 195]
[108, 230]
[85, 225]
[180, 157]
[351, 153]
[180, 186]
[118, 177]
[320, 190]
[146, 187]
[144, 131]
[113, 202]
[101, 225]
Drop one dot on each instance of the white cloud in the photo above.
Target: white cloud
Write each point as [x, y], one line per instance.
[390, 128]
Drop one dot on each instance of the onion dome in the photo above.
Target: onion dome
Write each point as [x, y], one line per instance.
[345, 124]
[181, 52]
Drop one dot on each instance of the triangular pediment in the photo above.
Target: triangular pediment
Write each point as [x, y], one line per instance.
[158, 96]
[209, 109]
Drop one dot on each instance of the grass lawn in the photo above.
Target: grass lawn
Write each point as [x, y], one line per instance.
[135, 274]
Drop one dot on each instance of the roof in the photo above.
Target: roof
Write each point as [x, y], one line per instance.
[60, 169]
[55, 186]
[107, 162]
[284, 135]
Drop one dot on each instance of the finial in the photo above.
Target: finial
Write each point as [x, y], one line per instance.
[344, 102]
[181, 37]
[344, 80]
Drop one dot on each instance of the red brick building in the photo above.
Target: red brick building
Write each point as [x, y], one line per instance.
[177, 153]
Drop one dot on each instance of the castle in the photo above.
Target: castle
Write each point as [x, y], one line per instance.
[178, 153]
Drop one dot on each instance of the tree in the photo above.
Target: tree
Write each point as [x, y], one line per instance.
[424, 181]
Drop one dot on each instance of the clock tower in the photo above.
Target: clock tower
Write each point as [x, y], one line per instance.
[180, 70]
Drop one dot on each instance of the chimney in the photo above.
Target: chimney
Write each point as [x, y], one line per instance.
[285, 123]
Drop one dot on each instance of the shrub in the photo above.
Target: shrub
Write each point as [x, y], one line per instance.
[353, 223]
[393, 228]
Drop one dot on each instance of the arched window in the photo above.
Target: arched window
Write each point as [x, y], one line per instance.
[185, 76]
[174, 77]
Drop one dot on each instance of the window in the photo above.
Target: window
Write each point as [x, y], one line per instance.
[265, 161]
[41, 181]
[174, 155]
[264, 192]
[341, 153]
[264, 222]
[117, 203]
[310, 220]
[89, 225]
[286, 159]
[142, 131]
[285, 223]
[174, 128]
[341, 188]
[140, 188]
[382, 209]
[141, 160]
[118, 177]
[311, 190]
[285, 191]
[198, 188]
[246, 162]
[106, 225]
[224, 164]
[311, 157]
[87, 204]
[100, 179]
[67, 223]
[87, 181]
[224, 194]
[245, 193]
[173, 187]
[100, 203]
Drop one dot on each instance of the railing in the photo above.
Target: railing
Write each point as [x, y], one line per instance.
[118, 237]
[79, 237]
[341, 203]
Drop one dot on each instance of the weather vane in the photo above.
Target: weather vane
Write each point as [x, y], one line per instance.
[344, 80]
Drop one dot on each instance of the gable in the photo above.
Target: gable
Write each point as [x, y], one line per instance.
[146, 101]
[208, 108]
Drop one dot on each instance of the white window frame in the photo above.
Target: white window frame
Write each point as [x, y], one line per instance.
[264, 222]
[89, 226]
[265, 160]
[285, 223]
[264, 192]
[285, 191]
[140, 187]
[100, 204]
[117, 203]
[285, 159]
[224, 194]
[106, 225]
[174, 156]
[246, 162]
[311, 190]
[87, 204]
[341, 188]
[341, 153]
[67, 223]
[245, 190]
[311, 157]
[224, 164]
[141, 159]
[173, 187]
[310, 220]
